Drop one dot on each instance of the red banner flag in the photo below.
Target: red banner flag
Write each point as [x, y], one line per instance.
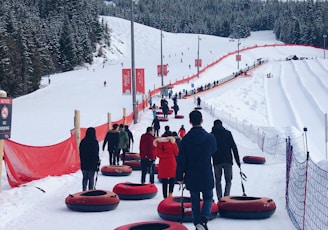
[140, 81]
[159, 70]
[198, 62]
[126, 81]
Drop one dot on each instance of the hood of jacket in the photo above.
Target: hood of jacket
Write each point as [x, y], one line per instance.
[163, 139]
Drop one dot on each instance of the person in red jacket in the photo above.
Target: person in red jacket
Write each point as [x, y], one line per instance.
[166, 150]
[147, 155]
[182, 131]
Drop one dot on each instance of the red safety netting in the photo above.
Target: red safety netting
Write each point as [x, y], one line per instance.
[26, 163]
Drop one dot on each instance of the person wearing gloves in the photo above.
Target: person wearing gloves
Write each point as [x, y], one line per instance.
[222, 158]
[166, 150]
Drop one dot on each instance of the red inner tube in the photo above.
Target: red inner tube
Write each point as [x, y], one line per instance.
[130, 156]
[254, 159]
[163, 119]
[116, 170]
[134, 164]
[93, 197]
[179, 116]
[134, 189]
[130, 191]
[153, 225]
[171, 209]
[246, 207]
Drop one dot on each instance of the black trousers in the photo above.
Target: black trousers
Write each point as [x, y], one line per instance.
[147, 166]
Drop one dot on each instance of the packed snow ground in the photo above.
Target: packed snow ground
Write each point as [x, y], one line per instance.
[291, 99]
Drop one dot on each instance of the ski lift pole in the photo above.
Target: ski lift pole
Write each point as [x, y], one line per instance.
[306, 176]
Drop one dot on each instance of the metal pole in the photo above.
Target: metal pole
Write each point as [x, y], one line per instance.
[133, 74]
[162, 58]
[238, 55]
[326, 132]
[324, 47]
[198, 58]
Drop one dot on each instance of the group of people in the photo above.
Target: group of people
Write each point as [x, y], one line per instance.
[188, 159]
[118, 139]
[191, 163]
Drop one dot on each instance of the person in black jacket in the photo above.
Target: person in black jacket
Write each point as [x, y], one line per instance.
[89, 158]
[165, 109]
[222, 158]
[156, 125]
[112, 138]
[194, 168]
[131, 141]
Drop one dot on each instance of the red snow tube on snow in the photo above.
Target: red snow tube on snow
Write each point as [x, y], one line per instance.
[116, 170]
[254, 160]
[246, 207]
[163, 119]
[134, 164]
[178, 116]
[161, 112]
[132, 191]
[171, 209]
[153, 225]
[92, 201]
[130, 156]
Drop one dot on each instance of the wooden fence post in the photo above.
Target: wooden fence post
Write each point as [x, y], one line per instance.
[2, 94]
[77, 128]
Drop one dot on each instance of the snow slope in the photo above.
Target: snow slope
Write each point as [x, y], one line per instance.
[293, 98]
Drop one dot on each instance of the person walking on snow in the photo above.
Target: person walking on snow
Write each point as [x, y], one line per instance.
[195, 168]
[131, 141]
[147, 155]
[176, 109]
[222, 158]
[89, 158]
[123, 143]
[165, 109]
[112, 139]
[156, 125]
[166, 150]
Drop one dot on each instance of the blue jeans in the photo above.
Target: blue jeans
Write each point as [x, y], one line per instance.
[198, 214]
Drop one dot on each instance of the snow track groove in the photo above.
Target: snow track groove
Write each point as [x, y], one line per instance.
[279, 104]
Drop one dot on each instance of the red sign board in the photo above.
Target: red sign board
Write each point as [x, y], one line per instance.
[127, 81]
[159, 70]
[198, 62]
[140, 81]
[238, 57]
